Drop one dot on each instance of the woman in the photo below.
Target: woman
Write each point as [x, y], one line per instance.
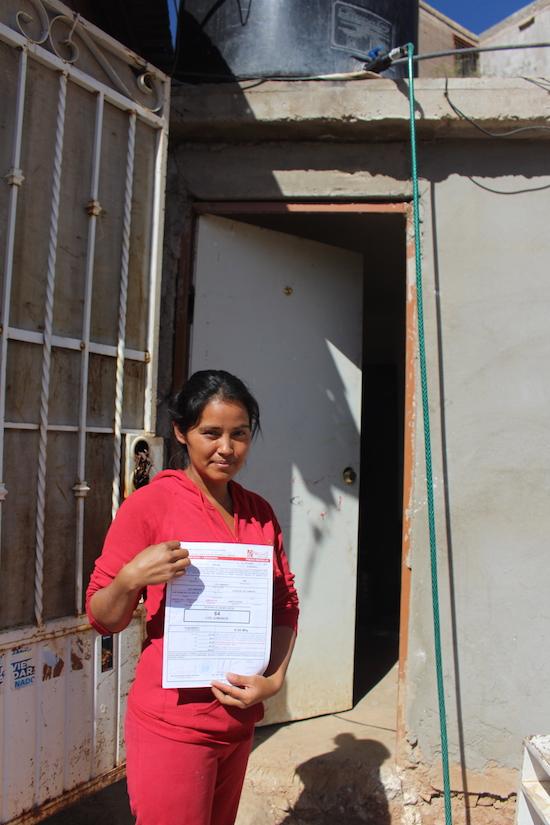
[187, 749]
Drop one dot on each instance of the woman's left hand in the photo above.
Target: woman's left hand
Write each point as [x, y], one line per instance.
[245, 691]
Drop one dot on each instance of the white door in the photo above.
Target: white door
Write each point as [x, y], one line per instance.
[285, 314]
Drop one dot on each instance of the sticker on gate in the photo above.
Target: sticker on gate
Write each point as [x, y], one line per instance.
[22, 667]
[52, 664]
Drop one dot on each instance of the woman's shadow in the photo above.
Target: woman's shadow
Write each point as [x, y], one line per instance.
[343, 785]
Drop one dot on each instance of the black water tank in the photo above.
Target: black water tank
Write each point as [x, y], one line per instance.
[288, 38]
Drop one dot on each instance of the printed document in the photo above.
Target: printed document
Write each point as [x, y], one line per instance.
[218, 615]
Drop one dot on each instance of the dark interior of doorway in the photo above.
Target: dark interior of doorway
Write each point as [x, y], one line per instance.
[381, 239]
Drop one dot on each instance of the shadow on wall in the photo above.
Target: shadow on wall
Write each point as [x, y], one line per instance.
[343, 786]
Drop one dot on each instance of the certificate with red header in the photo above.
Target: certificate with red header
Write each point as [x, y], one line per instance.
[218, 616]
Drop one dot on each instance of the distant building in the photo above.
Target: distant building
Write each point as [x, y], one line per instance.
[437, 33]
[531, 24]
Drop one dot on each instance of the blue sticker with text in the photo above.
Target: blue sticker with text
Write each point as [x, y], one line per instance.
[22, 667]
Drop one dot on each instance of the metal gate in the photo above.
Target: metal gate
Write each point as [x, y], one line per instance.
[83, 133]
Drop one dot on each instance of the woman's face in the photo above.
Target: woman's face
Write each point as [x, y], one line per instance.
[217, 445]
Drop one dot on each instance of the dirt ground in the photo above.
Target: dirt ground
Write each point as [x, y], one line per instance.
[328, 770]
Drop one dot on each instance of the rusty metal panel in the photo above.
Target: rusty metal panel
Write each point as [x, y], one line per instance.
[3, 748]
[51, 686]
[72, 239]
[97, 514]
[18, 528]
[134, 389]
[18, 730]
[130, 642]
[60, 525]
[48, 693]
[106, 732]
[34, 204]
[22, 397]
[106, 276]
[9, 60]
[79, 710]
[101, 397]
[140, 241]
[64, 387]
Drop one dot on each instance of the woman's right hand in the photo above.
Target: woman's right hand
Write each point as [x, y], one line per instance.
[157, 564]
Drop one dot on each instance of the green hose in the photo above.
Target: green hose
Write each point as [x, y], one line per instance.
[428, 451]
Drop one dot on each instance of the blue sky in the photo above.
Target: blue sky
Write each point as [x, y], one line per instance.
[477, 15]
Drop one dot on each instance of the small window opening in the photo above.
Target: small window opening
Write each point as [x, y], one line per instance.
[526, 23]
[466, 65]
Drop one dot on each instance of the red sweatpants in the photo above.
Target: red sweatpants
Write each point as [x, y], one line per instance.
[175, 783]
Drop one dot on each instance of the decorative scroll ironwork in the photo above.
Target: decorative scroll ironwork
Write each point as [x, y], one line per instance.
[57, 31]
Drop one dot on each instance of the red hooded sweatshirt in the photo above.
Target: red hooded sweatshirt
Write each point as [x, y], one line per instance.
[173, 507]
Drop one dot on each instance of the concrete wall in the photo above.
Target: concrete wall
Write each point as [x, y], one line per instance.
[530, 24]
[488, 296]
[487, 302]
[438, 33]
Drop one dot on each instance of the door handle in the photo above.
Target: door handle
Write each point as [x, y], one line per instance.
[349, 475]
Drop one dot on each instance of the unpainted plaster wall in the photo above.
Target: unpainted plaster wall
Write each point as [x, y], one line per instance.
[437, 33]
[531, 24]
[487, 302]
[488, 297]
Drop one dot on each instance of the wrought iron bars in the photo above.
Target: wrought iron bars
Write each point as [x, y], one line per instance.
[123, 300]
[46, 353]
[155, 266]
[81, 487]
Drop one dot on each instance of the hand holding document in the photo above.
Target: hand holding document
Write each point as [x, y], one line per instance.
[218, 616]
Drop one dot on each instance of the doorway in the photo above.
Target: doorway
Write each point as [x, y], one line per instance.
[377, 233]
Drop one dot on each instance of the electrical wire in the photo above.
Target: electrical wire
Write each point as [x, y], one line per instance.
[244, 17]
[366, 73]
[359, 75]
[471, 50]
[541, 82]
[430, 495]
[362, 75]
[508, 191]
[509, 133]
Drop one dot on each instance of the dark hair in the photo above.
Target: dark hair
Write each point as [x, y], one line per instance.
[187, 406]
